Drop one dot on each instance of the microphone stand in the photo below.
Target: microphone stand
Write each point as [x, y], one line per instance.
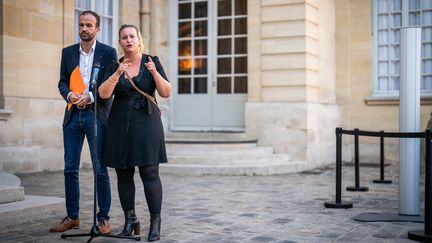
[94, 232]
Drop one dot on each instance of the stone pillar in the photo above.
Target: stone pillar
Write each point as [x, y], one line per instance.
[294, 109]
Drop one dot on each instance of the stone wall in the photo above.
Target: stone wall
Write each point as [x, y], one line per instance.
[292, 102]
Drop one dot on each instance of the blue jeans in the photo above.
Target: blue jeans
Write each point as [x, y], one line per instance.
[80, 125]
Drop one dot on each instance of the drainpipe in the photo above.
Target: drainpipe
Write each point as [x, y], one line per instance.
[145, 24]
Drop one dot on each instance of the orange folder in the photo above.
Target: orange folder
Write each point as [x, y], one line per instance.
[76, 83]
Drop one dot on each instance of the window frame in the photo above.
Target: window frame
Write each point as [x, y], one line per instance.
[376, 92]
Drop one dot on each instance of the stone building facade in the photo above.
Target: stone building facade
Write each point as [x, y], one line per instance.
[308, 66]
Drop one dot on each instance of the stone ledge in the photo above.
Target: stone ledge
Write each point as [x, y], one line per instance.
[31, 209]
[4, 114]
[393, 100]
[10, 194]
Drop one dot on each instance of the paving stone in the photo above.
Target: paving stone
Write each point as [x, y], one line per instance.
[279, 208]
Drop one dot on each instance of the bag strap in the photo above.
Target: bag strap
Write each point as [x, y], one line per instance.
[149, 97]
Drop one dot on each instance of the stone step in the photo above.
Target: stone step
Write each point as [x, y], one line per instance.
[227, 159]
[10, 188]
[30, 209]
[246, 169]
[196, 136]
[218, 149]
[10, 194]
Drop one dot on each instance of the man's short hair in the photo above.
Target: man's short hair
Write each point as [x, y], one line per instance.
[94, 15]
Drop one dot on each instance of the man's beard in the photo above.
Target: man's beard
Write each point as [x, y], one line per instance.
[85, 37]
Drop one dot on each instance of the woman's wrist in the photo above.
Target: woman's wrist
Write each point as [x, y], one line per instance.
[112, 80]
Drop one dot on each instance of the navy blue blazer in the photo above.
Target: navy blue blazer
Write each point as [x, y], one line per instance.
[105, 56]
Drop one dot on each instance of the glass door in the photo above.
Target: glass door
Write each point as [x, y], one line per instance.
[210, 85]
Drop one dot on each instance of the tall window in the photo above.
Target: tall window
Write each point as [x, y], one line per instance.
[389, 17]
[107, 10]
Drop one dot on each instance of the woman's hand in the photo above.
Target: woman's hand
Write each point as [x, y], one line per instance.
[150, 65]
[123, 66]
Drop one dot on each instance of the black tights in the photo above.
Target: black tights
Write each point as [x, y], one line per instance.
[152, 187]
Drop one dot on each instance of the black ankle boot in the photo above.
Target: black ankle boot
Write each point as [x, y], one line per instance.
[131, 224]
[155, 223]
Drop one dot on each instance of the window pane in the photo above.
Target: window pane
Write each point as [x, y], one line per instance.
[224, 8]
[104, 7]
[224, 65]
[200, 9]
[382, 37]
[396, 5]
[396, 20]
[427, 81]
[184, 29]
[240, 26]
[240, 7]
[224, 27]
[426, 67]
[394, 68]
[382, 6]
[184, 48]
[395, 36]
[427, 18]
[427, 50]
[394, 52]
[382, 84]
[224, 85]
[224, 46]
[200, 85]
[394, 83]
[383, 21]
[240, 65]
[184, 11]
[200, 66]
[105, 36]
[427, 4]
[414, 4]
[382, 67]
[427, 34]
[240, 45]
[82, 4]
[414, 19]
[184, 66]
[201, 28]
[240, 85]
[382, 53]
[200, 47]
[184, 85]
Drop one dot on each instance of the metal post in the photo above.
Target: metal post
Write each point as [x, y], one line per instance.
[357, 186]
[426, 234]
[382, 180]
[338, 203]
[409, 121]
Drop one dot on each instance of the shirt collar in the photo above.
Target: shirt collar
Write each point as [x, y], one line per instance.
[91, 49]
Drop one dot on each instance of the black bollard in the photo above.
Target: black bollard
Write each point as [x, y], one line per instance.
[338, 203]
[426, 234]
[382, 180]
[357, 186]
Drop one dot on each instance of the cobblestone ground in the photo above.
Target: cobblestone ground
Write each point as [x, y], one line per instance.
[283, 208]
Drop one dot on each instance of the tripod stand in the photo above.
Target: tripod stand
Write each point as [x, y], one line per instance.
[94, 231]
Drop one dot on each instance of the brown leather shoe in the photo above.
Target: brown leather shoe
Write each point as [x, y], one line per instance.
[104, 227]
[65, 224]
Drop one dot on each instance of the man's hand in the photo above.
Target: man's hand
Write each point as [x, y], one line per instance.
[74, 96]
[82, 100]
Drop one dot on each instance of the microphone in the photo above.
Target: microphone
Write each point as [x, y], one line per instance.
[95, 72]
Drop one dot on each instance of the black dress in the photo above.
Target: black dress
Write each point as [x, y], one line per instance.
[134, 133]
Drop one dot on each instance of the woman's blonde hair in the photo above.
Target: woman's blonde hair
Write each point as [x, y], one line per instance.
[140, 41]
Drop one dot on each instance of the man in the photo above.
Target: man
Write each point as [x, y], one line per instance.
[77, 63]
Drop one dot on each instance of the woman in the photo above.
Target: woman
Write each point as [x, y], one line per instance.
[134, 132]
